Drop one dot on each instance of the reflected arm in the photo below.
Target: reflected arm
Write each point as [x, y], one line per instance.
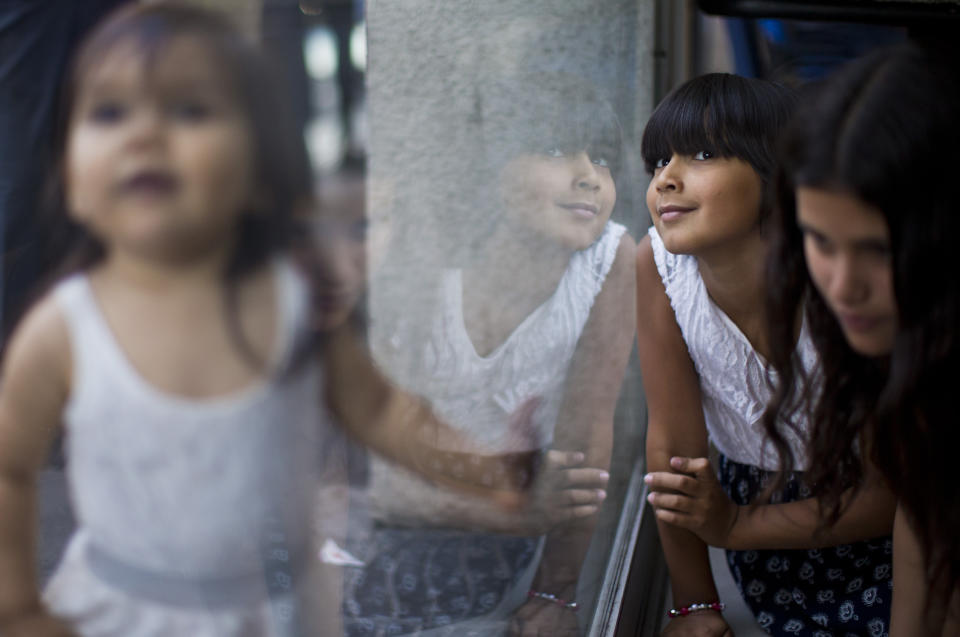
[402, 427]
[586, 416]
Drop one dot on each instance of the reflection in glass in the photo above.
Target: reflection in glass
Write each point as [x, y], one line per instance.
[519, 341]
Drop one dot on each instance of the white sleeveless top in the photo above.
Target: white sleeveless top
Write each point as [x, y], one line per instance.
[184, 489]
[733, 383]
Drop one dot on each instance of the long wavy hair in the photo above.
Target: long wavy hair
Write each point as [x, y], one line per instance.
[880, 130]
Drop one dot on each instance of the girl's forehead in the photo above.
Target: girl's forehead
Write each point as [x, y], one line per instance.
[181, 63]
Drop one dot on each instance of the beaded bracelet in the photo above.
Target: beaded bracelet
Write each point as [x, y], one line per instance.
[553, 599]
[683, 611]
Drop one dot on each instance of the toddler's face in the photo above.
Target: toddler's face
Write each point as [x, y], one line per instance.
[567, 197]
[699, 202]
[846, 243]
[159, 157]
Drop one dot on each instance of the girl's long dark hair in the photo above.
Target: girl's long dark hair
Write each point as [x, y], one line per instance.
[281, 167]
[881, 129]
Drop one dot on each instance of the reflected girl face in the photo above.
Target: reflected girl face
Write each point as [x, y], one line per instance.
[846, 243]
[564, 196]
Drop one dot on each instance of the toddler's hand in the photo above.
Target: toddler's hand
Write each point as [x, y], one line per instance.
[703, 624]
[690, 497]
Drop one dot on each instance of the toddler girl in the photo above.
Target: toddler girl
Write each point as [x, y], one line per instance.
[193, 429]
[702, 345]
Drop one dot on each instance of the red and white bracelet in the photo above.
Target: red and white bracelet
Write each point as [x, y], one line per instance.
[683, 611]
[553, 599]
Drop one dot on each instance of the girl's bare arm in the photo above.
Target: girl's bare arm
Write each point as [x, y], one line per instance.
[690, 497]
[675, 425]
[911, 614]
[33, 392]
[403, 428]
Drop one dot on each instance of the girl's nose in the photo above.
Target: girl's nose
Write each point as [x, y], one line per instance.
[146, 125]
[585, 172]
[669, 177]
[847, 285]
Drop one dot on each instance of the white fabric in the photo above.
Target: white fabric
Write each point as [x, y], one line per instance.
[181, 487]
[478, 394]
[733, 383]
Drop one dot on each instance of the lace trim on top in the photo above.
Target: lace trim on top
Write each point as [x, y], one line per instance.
[733, 376]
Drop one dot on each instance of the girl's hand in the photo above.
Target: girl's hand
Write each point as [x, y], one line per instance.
[537, 618]
[690, 497]
[702, 624]
[565, 491]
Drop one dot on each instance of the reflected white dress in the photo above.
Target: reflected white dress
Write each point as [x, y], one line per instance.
[400, 593]
[179, 502]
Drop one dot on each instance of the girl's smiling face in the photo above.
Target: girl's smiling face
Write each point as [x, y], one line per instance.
[699, 202]
[159, 157]
[846, 244]
[564, 196]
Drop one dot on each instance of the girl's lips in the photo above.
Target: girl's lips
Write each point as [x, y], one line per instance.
[858, 322]
[150, 183]
[672, 213]
[582, 210]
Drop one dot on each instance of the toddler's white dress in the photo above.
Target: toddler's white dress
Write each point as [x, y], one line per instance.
[185, 507]
[434, 579]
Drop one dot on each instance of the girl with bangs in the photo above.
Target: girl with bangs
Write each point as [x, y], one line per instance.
[704, 347]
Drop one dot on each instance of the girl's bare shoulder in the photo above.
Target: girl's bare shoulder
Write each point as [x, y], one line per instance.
[40, 345]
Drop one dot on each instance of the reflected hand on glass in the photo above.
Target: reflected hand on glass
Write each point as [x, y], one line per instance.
[564, 491]
[691, 497]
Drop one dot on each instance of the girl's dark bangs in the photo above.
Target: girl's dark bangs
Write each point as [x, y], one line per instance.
[684, 124]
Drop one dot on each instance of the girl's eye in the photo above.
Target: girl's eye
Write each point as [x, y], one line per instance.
[191, 111]
[820, 242]
[703, 155]
[554, 152]
[600, 161]
[660, 163]
[107, 112]
[879, 251]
